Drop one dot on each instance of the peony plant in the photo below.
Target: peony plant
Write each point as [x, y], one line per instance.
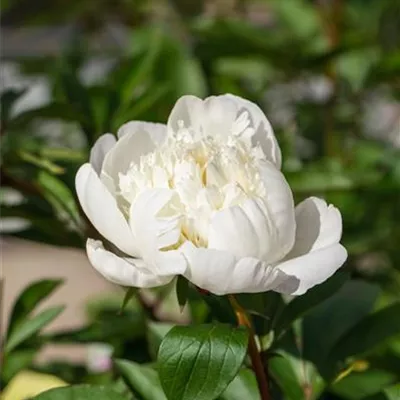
[204, 198]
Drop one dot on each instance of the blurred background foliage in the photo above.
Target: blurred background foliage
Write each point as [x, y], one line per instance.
[327, 75]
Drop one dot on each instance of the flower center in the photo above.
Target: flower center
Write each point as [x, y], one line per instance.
[207, 173]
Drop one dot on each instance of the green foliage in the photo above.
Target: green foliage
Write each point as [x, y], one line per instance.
[200, 361]
[81, 392]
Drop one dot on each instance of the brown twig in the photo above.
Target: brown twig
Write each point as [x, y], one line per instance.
[258, 367]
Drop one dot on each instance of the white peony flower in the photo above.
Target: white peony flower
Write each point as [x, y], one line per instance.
[204, 197]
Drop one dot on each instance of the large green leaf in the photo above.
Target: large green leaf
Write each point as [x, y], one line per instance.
[141, 379]
[28, 327]
[244, 386]
[300, 305]
[198, 362]
[81, 392]
[368, 333]
[323, 326]
[359, 385]
[31, 296]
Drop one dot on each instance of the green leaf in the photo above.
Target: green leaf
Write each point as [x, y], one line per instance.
[295, 377]
[142, 72]
[41, 162]
[141, 379]
[302, 304]
[28, 327]
[351, 303]
[30, 297]
[81, 392]
[198, 362]
[392, 392]
[130, 292]
[78, 97]
[58, 111]
[7, 100]
[244, 386]
[15, 362]
[155, 334]
[59, 195]
[368, 333]
[359, 385]
[182, 290]
[190, 77]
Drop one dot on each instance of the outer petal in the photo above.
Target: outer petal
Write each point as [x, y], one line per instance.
[318, 226]
[128, 150]
[221, 272]
[311, 269]
[264, 135]
[101, 209]
[157, 132]
[280, 205]
[122, 271]
[102, 146]
[154, 221]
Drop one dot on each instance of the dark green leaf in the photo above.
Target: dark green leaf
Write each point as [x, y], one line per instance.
[182, 290]
[368, 333]
[141, 379]
[28, 327]
[130, 292]
[29, 299]
[359, 385]
[297, 378]
[60, 111]
[77, 96]
[302, 304]
[81, 392]
[7, 100]
[335, 316]
[141, 73]
[15, 362]
[155, 334]
[59, 195]
[244, 386]
[198, 362]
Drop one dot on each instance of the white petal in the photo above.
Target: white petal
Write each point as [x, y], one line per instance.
[280, 205]
[312, 268]
[123, 271]
[244, 231]
[221, 272]
[317, 226]
[157, 132]
[102, 146]
[127, 150]
[188, 109]
[154, 221]
[220, 113]
[101, 209]
[264, 135]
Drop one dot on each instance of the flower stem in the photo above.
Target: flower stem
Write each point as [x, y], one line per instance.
[258, 367]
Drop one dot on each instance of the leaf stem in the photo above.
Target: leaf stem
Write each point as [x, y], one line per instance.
[258, 367]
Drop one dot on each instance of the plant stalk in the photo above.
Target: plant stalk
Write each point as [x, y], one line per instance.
[258, 367]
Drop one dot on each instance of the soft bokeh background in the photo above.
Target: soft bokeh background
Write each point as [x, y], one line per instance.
[326, 73]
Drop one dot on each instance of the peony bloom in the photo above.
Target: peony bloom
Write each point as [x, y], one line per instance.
[204, 197]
